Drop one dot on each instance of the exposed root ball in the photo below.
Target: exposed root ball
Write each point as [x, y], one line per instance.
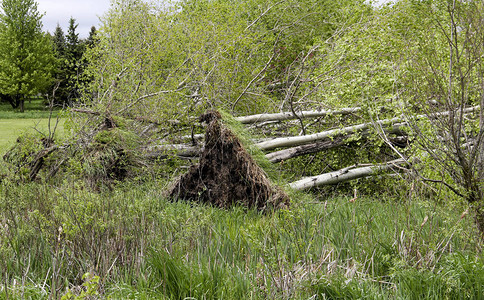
[226, 174]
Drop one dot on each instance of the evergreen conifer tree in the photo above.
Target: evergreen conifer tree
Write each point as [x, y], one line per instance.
[60, 89]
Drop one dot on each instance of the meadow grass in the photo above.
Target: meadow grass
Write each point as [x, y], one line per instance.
[34, 109]
[142, 246]
[10, 129]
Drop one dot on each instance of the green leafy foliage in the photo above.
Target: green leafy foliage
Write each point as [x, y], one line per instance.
[201, 54]
[26, 53]
[91, 286]
[163, 65]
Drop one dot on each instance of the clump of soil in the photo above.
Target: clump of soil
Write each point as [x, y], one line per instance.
[226, 174]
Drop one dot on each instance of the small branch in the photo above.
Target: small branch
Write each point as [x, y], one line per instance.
[252, 81]
[444, 183]
[263, 14]
[86, 111]
[144, 97]
[286, 154]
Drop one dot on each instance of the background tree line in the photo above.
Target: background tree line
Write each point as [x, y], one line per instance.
[69, 76]
[33, 62]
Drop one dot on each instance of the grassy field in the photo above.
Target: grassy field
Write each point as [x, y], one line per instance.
[134, 244]
[34, 109]
[13, 123]
[10, 129]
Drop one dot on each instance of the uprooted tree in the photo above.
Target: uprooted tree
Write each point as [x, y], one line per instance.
[226, 174]
[369, 75]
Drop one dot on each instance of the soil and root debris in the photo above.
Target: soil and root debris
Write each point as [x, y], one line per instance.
[226, 174]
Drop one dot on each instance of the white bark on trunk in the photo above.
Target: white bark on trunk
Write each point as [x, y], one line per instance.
[180, 149]
[290, 116]
[343, 175]
[305, 139]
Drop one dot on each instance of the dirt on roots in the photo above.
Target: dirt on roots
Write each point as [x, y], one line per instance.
[226, 174]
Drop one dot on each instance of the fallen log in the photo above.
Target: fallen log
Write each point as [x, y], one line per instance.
[181, 150]
[344, 175]
[293, 152]
[401, 141]
[38, 161]
[305, 139]
[290, 116]
[190, 151]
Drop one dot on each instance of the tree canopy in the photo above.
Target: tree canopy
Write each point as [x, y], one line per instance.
[26, 53]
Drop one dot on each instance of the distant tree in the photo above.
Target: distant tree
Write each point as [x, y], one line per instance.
[74, 52]
[60, 86]
[69, 75]
[59, 39]
[26, 54]
[91, 39]
[74, 47]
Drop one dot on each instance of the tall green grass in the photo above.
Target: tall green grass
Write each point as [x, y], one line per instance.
[143, 246]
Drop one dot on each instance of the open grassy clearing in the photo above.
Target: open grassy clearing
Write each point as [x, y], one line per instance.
[34, 109]
[10, 129]
[13, 123]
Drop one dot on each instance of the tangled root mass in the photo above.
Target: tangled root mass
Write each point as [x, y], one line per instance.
[226, 174]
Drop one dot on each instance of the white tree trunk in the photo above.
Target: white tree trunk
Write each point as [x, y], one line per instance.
[343, 175]
[182, 150]
[305, 139]
[320, 146]
[290, 116]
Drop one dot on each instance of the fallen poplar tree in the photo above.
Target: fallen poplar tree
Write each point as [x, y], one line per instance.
[226, 173]
[344, 175]
[181, 150]
[400, 141]
[310, 138]
[305, 139]
[291, 116]
[189, 151]
[286, 154]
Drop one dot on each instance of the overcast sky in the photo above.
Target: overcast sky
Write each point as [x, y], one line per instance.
[86, 13]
